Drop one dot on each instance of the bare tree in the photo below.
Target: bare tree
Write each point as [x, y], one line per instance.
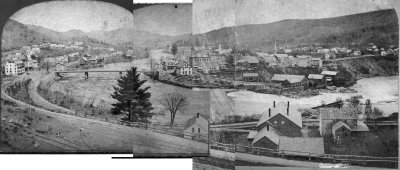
[174, 102]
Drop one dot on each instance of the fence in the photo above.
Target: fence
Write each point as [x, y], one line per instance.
[163, 129]
[306, 156]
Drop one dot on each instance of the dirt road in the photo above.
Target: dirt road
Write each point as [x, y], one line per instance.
[101, 136]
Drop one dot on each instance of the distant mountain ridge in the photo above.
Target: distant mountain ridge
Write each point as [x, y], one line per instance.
[379, 27]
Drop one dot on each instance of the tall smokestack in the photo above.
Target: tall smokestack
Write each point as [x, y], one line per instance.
[288, 104]
[267, 127]
[274, 104]
[269, 112]
[198, 115]
[288, 111]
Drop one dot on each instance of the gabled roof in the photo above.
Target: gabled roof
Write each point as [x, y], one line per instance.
[316, 76]
[288, 77]
[194, 120]
[340, 124]
[343, 113]
[251, 134]
[330, 73]
[300, 144]
[281, 108]
[271, 134]
[250, 74]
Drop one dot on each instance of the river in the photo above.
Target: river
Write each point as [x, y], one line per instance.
[382, 91]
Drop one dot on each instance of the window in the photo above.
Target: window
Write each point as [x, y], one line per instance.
[198, 130]
[283, 122]
[275, 122]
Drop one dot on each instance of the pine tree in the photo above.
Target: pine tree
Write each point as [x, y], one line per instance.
[132, 99]
[368, 109]
[174, 49]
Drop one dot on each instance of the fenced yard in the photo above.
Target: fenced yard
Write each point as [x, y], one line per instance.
[388, 162]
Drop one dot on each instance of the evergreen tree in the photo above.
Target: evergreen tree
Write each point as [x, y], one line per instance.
[174, 49]
[368, 109]
[132, 99]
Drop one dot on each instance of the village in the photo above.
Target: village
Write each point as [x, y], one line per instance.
[294, 72]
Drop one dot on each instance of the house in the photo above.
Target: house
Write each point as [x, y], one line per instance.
[316, 80]
[303, 61]
[250, 77]
[330, 75]
[31, 64]
[342, 132]
[301, 146]
[287, 80]
[196, 127]
[268, 137]
[270, 61]
[184, 69]
[329, 116]
[285, 120]
[316, 62]
[248, 61]
[204, 63]
[14, 67]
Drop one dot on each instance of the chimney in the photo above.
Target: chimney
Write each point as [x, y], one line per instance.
[288, 111]
[269, 112]
[198, 115]
[267, 127]
[274, 104]
[287, 104]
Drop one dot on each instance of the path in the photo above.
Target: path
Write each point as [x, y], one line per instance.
[108, 137]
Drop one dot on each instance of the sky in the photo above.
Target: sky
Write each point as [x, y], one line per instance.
[86, 16]
[164, 19]
[267, 11]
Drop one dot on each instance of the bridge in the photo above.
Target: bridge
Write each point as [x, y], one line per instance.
[86, 72]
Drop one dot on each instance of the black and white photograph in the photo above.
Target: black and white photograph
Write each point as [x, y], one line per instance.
[227, 84]
[313, 84]
[92, 77]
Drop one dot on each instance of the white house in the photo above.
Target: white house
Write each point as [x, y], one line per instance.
[196, 127]
[185, 69]
[14, 67]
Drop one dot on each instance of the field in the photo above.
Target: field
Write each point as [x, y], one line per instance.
[97, 90]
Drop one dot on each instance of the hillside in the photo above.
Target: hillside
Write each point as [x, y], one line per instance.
[17, 35]
[379, 27]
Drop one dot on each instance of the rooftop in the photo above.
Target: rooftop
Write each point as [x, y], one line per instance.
[290, 78]
[330, 73]
[271, 134]
[197, 119]
[281, 108]
[250, 74]
[315, 76]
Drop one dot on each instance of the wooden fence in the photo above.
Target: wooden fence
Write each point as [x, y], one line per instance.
[175, 130]
[306, 156]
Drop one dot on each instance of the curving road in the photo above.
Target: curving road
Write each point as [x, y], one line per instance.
[103, 136]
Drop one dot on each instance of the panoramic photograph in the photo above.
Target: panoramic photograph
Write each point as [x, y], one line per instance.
[93, 77]
[307, 88]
